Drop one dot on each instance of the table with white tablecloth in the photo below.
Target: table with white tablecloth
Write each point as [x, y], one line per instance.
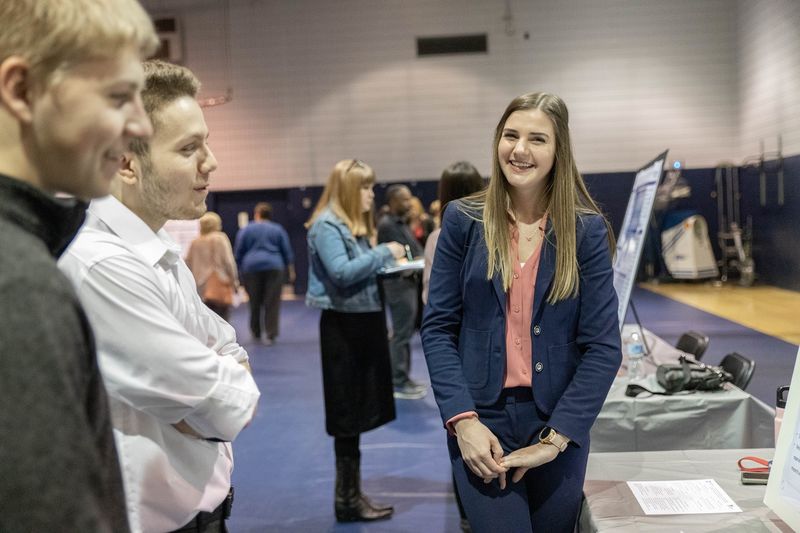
[610, 506]
[730, 418]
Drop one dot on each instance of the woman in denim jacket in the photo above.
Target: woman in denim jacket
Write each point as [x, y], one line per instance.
[342, 281]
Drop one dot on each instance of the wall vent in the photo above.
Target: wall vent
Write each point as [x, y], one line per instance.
[453, 44]
[170, 37]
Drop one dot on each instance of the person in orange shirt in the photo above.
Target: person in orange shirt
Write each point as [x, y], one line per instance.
[520, 332]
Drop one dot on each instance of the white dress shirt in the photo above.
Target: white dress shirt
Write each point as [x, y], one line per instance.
[165, 357]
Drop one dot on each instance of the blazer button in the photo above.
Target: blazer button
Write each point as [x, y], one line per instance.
[539, 367]
[537, 329]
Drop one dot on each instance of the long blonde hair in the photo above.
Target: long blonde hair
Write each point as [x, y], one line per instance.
[566, 197]
[342, 194]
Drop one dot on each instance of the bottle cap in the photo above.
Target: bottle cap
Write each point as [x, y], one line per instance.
[780, 402]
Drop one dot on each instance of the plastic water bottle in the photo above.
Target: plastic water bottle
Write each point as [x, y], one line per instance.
[633, 348]
[780, 406]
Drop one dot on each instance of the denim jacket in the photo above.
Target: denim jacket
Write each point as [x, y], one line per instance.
[342, 271]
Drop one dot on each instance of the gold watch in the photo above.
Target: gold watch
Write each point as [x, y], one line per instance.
[549, 435]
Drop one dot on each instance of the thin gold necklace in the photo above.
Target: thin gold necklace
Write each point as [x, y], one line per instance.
[533, 229]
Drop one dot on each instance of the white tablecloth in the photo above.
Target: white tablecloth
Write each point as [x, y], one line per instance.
[609, 505]
[730, 418]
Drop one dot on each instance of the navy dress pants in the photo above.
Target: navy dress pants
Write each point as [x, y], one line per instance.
[546, 500]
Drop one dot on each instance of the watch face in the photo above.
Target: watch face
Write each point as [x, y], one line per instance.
[548, 436]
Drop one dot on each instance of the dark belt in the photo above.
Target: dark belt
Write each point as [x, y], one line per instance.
[520, 394]
[203, 518]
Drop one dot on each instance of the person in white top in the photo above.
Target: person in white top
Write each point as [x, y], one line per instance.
[180, 386]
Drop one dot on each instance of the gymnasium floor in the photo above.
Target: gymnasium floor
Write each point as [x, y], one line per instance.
[284, 460]
[769, 310]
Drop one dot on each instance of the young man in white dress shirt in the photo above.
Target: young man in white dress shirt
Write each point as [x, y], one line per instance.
[179, 384]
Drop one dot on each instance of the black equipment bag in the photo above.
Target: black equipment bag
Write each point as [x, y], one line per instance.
[691, 375]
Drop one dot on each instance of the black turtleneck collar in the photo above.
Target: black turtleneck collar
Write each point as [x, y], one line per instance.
[55, 221]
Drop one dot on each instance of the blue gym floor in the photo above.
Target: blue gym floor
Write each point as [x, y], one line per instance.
[284, 460]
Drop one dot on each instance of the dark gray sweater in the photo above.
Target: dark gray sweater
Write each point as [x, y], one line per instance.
[58, 464]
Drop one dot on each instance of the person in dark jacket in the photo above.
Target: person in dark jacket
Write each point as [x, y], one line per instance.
[342, 281]
[402, 293]
[70, 83]
[264, 257]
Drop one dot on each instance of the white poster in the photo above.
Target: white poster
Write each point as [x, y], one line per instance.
[783, 487]
[634, 227]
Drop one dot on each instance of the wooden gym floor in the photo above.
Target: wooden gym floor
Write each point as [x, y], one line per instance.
[769, 310]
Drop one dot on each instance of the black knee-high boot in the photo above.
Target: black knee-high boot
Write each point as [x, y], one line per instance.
[350, 504]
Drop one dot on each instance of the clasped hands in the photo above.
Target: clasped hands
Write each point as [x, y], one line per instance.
[483, 454]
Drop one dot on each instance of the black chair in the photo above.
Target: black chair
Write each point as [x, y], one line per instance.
[740, 367]
[693, 342]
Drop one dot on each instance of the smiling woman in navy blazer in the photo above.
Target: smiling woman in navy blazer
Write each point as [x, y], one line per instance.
[520, 332]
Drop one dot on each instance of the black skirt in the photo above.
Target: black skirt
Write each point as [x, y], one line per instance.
[356, 372]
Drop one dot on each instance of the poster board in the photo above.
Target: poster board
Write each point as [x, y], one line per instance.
[783, 488]
[630, 241]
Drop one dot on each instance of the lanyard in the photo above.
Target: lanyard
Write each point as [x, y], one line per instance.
[765, 465]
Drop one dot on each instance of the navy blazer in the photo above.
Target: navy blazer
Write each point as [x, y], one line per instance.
[576, 342]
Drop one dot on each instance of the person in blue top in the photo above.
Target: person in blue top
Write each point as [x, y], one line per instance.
[342, 281]
[520, 332]
[264, 256]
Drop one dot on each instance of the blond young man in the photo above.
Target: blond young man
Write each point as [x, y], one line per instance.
[179, 384]
[70, 78]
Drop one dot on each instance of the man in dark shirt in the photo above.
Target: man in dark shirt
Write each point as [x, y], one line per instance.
[402, 293]
[69, 105]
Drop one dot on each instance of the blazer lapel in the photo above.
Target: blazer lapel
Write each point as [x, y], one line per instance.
[547, 268]
[497, 282]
